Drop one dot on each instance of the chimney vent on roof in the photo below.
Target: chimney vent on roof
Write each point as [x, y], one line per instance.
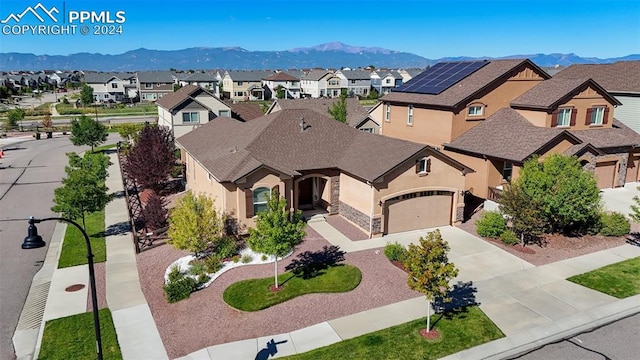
[303, 125]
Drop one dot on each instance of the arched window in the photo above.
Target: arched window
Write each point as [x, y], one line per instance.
[260, 198]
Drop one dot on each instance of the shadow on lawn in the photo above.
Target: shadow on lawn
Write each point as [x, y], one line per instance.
[310, 264]
[462, 295]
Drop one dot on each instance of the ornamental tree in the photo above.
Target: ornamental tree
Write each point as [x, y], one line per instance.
[560, 192]
[429, 269]
[86, 131]
[339, 109]
[83, 190]
[524, 212]
[151, 159]
[86, 95]
[14, 116]
[194, 224]
[154, 212]
[277, 232]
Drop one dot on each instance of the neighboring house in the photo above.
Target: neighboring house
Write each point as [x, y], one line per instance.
[188, 108]
[107, 87]
[621, 79]
[357, 115]
[246, 111]
[204, 80]
[290, 85]
[314, 84]
[244, 85]
[152, 85]
[389, 80]
[356, 82]
[316, 163]
[408, 74]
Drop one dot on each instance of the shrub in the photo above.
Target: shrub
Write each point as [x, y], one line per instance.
[212, 263]
[246, 259]
[175, 291]
[203, 278]
[264, 257]
[175, 274]
[614, 224]
[491, 224]
[509, 237]
[226, 247]
[395, 252]
[198, 268]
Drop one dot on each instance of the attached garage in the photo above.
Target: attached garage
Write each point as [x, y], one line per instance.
[632, 169]
[418, 210]
[605, 174]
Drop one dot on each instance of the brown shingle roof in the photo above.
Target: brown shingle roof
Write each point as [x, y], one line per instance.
[619, 135]
[246, 111]
[171, 100]
[506, 135]
[552, 92]
[355, 111]
[621, 76]
[229, 149]
[281, 76]
[465, 88]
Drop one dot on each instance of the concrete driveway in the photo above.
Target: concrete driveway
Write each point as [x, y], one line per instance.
[620, 199]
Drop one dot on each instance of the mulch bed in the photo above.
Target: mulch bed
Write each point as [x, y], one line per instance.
[430, 335]
[555, 247]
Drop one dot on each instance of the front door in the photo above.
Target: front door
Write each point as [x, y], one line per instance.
[305, 194]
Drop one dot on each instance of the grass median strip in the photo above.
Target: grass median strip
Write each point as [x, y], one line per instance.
[74, 248]
[619, 280]
[73, 337]
[254, 294]
[458, 331]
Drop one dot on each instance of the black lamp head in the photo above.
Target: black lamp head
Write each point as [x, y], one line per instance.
[33, 240]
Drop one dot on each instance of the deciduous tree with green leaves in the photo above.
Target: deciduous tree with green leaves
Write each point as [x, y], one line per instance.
[277, 231]
[280, 92]
[83, 190]
[564, 194]
[524, 212]
[194, 224]
[86, 131]
[339, 109]
[635, 209]
[14, 116]
[429, 268]
[86, 95]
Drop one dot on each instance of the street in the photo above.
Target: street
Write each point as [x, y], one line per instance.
[617, 341]
[29, 173]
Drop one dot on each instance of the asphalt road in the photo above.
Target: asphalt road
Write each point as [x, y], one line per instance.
[617, 341]
[29, 172]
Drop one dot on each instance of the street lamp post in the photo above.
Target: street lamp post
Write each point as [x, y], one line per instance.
[34, 241]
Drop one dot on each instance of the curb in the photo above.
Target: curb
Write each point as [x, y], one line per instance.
[521, 343]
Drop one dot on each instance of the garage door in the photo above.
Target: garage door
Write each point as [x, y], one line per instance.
[632, 170]
[418, 211]
[605, 172]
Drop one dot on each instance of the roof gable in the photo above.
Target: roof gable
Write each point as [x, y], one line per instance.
[551, 93]
[621, 76]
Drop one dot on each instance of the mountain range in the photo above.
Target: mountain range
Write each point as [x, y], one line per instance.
[329, 55]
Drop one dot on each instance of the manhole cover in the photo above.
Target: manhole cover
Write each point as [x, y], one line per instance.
[75, 287]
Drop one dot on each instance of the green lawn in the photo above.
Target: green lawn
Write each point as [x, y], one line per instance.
[368, 102]
[254, 294]
[619, 280]
[73, 337]
[74, 248]
[103, 148]
[457, 332]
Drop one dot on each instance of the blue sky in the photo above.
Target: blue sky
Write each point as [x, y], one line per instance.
[433, 29]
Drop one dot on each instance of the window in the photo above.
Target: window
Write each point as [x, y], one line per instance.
[423, 166]
[240, 83]
[334, 82]
[224, 113]
[238, 93]
[564, 117]
[388, 81]
[114, 85]
[106, 96]
[410, 115]
[368, 130]
[475, 110]
[387, 115]
[353, 81]
[190, 117]
[507, 170]
[148, 85]
[260, 198]
[597, 115]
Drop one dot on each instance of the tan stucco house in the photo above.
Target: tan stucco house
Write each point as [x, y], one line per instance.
[188, 108]
[381, 184]
[503, 112]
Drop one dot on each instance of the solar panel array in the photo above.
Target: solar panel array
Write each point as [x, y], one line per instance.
[440, 77]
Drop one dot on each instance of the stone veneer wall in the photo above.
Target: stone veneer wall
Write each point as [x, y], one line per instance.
[335, 195]
[361, 219]
[622, 158]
